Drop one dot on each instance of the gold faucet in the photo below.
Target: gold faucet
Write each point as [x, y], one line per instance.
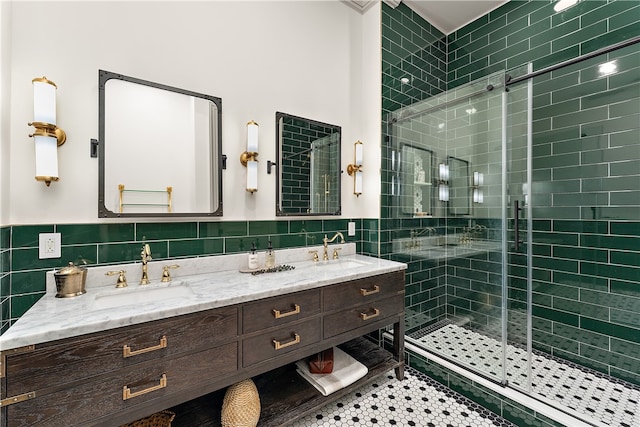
[325, 256]
[145, 254]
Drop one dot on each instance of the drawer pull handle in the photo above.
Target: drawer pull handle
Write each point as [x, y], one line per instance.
[126, 391]
[366, 292]
[127, 352]
[365, 316]
[279, 314]
[278, 345]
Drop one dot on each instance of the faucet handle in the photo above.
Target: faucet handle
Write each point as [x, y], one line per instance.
[122, 280]
[315, 255]
[335, 252]
[166, 276]
[145, 253]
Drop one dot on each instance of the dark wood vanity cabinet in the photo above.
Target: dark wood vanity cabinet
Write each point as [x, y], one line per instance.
[116, 376]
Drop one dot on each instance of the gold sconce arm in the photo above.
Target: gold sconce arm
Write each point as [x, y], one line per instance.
[47, 129]
[351, 169]
[248, 156]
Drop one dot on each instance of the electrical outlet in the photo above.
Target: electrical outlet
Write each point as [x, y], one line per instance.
[351, 228]
[49, 245]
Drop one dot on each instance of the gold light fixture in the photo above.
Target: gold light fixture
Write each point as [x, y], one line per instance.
[249, 158]
[443, 182]
[47, 135]
[478, 182]
[355, 169]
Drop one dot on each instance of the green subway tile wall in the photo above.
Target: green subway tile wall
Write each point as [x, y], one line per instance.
[5, 277]
[413, 50]
[22, 274]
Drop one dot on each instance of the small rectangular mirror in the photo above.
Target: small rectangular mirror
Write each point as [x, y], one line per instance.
[308, 179]
[159, 150]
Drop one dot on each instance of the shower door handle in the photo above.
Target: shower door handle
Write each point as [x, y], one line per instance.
[516, 220]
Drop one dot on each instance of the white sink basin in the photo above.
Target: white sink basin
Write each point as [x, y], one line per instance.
[342, 264]
[137, 294]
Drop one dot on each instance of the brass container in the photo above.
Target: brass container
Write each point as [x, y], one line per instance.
[70, 281]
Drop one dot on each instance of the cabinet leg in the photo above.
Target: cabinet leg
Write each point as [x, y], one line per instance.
[398, 347]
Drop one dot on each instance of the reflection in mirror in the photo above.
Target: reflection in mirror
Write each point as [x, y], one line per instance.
[416, 181]
[159, 149]
[308, 153]
[459, 190]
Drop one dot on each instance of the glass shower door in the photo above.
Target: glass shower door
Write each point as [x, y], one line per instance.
[518, 241]
[464, 238]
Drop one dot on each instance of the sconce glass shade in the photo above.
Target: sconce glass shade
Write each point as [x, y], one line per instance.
[46, 148]
[252, 137]
[44, 100]
[478, 196]
[443, 193]
[252, 176]
[357, 183]
[478, 178]
[444, 172]
[358, 153]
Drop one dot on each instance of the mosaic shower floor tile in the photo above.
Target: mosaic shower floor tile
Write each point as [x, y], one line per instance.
[416, 401]
[604, 398]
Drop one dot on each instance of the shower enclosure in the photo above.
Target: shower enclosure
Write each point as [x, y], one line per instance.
[517, 199]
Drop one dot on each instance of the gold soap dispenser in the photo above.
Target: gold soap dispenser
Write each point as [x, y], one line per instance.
[270, 256]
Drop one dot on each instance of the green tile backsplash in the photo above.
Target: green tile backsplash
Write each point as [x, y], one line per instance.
[22, 276]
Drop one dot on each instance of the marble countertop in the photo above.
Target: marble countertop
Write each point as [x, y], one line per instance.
[199, 284]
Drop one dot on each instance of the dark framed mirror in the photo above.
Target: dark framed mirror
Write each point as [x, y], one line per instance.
[459, 187]
[308, 179]
[159, 150]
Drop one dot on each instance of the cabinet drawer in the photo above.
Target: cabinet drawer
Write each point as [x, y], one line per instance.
[280, 310]
[280, 341]
[363, 290]
[346, 320]
[105, 396]
[77, 358]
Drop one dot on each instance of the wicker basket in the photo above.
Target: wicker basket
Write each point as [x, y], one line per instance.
[241, 405]
[159, 419]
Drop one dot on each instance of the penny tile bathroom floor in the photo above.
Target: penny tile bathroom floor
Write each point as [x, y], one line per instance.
[416, 401]
[604, 398]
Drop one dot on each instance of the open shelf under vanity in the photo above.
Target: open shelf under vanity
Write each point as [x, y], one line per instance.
[284, 395]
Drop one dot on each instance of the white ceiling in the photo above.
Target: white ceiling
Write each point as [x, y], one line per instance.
[447, 16]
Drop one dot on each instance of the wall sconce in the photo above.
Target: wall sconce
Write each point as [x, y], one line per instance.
[478, 181]
[48, 137]
[249, 158]
[355, 169]
[443, 182]
[525, 193]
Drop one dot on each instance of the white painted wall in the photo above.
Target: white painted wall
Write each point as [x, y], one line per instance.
[5, 98]
[316, 59]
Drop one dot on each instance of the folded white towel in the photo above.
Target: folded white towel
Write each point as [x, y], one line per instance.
[346, 371]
